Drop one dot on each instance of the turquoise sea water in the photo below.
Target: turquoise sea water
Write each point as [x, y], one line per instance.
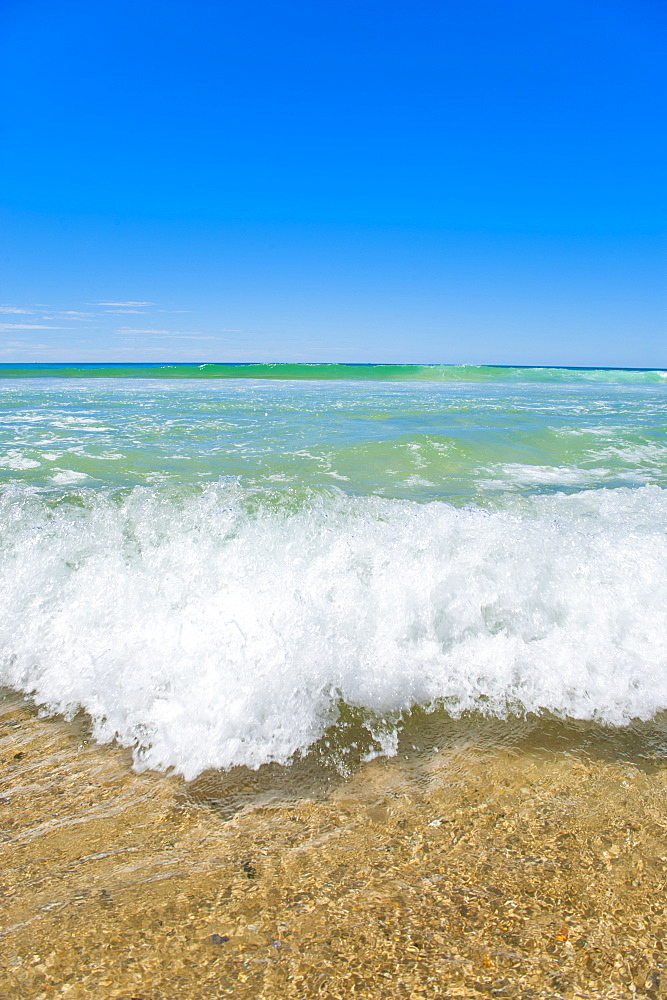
[426, 432]
[216, 561]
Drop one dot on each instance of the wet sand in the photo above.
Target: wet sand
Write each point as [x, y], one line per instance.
[467, 872]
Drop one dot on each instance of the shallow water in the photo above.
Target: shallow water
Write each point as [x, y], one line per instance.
[472, 871]
[462, 441]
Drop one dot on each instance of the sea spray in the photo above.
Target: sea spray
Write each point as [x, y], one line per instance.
[208, 628]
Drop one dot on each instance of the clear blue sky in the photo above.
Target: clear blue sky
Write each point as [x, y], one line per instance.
[476, 181]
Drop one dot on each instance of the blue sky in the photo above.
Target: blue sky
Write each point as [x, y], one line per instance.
[418, 182]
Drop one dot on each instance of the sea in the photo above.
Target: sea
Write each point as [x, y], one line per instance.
[229, 566]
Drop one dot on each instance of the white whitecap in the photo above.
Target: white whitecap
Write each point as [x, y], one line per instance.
[207, 633]
[65, 477]
[16, 460]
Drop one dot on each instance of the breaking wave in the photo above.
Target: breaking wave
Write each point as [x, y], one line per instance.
[215, 629]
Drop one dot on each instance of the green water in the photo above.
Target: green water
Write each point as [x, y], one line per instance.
[338, 372]
[458, 434]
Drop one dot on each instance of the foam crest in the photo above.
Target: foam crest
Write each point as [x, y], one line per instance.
[214, 630]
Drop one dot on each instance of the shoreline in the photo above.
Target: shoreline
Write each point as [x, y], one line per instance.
[466, 874]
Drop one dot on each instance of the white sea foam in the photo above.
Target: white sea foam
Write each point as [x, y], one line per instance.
[65, 477]
[15, 460]
[207, 635]
[516, 474]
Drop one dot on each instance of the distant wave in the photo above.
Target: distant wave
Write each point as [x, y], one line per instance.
[338, 372]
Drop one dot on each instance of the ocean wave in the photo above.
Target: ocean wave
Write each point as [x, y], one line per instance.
[215, 629]
[339, 372]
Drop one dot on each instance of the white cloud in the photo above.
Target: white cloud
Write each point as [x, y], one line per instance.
[13, 309]
[127, 305]
[79, 317]
[29, 326]
[133, 329]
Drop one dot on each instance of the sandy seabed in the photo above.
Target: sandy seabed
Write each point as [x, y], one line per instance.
[466, 873]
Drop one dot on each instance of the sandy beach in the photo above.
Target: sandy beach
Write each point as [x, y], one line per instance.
[461, 874]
